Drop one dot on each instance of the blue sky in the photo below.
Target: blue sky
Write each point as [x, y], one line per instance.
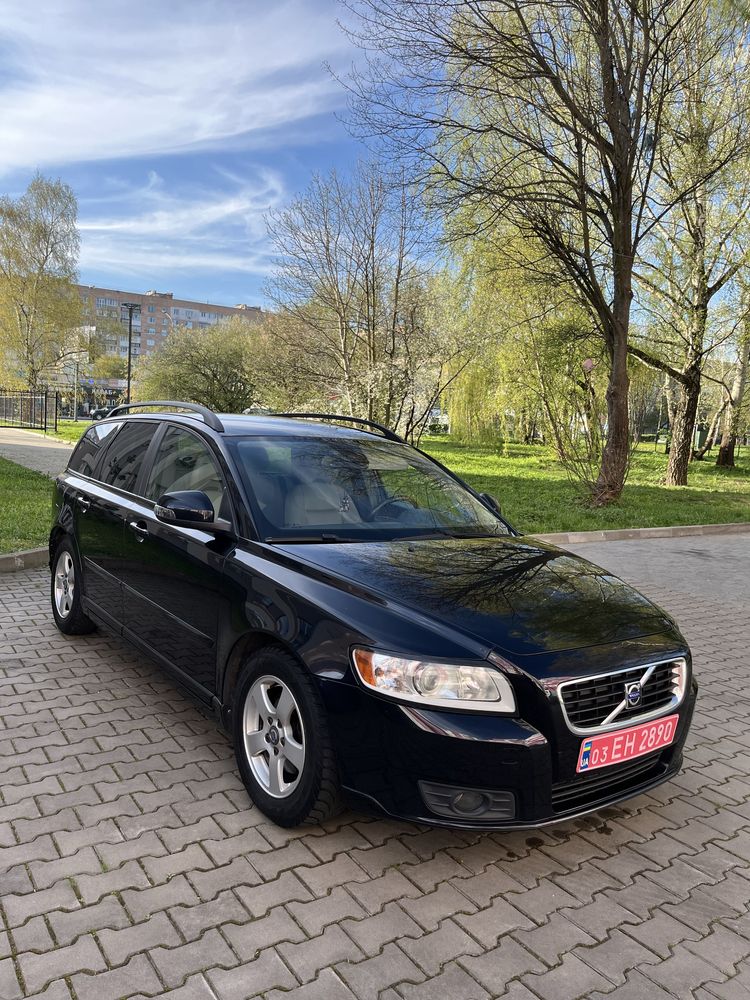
[178, 124]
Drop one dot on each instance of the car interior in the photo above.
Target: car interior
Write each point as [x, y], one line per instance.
[183, 463]
[298, 484]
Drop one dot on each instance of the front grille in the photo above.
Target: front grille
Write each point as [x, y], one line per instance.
[588, 702]
[604, 784]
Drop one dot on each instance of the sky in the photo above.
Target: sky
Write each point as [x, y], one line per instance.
[179, 124]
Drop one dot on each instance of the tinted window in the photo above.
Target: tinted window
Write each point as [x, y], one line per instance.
[124, 457]
[87, 451]
[184, 462]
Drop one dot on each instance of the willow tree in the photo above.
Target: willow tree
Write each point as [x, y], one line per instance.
[547, 115]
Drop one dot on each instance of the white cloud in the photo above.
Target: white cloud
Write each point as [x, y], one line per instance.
[155, 229]
[84, 81]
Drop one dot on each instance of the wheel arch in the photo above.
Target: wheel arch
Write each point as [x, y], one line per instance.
[56, 535]
[248, 644]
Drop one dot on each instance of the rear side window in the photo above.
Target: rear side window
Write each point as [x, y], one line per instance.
[124, 457]
[88, 449]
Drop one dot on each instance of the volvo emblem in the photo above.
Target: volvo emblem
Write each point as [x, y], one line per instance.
[633, 694]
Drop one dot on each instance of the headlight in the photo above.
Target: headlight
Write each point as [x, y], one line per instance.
[446, 685]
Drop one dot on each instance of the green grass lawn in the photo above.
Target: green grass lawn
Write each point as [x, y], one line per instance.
[27, 507]
[536, 496]
[68, 430]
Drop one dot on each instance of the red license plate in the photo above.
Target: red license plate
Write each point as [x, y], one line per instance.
[626, 744]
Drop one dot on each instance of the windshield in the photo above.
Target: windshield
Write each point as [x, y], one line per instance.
[354, 489]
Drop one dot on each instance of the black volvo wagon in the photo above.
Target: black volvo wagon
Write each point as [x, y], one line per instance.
[363, 623]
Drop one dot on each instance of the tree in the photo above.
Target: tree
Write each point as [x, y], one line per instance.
[736, 392]
[361, 318]
[108, 366]
[214, 366]
[40, 309]
[541, 369]
[545, 116]
[699, 248]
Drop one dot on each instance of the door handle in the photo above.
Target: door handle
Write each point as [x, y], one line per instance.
[140, 529]
[83, 503]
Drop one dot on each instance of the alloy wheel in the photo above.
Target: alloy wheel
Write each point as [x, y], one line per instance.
[64, 584]
[274, 736]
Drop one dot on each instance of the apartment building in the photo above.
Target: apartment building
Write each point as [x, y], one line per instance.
[159, 314]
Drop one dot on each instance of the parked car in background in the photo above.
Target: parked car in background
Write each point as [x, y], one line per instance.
[100, 412]
[364, 624]
[438, 421]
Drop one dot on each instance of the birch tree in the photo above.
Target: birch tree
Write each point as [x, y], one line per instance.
[701, 247]
[736, 392]
[40, 310]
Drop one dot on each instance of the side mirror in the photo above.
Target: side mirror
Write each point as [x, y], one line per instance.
[489, 501]
[189, 509]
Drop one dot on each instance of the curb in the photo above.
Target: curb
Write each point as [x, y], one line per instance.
[29, 559]
[625, 534]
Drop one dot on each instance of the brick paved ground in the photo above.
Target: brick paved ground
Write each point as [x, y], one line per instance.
[132, 866]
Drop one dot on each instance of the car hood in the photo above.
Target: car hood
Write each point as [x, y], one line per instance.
[516, 594]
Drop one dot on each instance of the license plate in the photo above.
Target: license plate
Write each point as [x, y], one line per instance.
[626, 744]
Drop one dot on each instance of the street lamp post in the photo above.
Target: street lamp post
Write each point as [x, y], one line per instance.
[132, 307]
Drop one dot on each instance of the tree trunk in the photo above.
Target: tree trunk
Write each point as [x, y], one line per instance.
[616, 452]
[725, 457]
[681, 448]
[734, 405]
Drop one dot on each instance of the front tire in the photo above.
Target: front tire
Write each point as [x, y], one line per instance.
[282, 741]
[65, 592]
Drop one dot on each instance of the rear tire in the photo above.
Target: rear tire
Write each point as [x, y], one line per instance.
[282, 741]
[65, 592]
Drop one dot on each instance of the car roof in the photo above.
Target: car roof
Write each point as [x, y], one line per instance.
[260, 425]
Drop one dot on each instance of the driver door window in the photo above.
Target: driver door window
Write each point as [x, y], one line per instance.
[183, 462]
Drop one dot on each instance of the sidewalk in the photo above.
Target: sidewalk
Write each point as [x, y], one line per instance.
[34, 451]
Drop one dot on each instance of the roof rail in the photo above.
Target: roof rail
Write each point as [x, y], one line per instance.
[385, 431]
[208, 415]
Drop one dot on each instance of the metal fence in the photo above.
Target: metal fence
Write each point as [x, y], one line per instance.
[36, 410]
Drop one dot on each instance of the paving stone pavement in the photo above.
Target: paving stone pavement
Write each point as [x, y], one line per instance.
[132, 864]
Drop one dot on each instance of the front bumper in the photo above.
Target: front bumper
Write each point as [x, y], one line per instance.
[385, 751]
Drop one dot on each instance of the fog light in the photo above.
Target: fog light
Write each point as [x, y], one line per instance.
[469, 803]
[481, 804]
